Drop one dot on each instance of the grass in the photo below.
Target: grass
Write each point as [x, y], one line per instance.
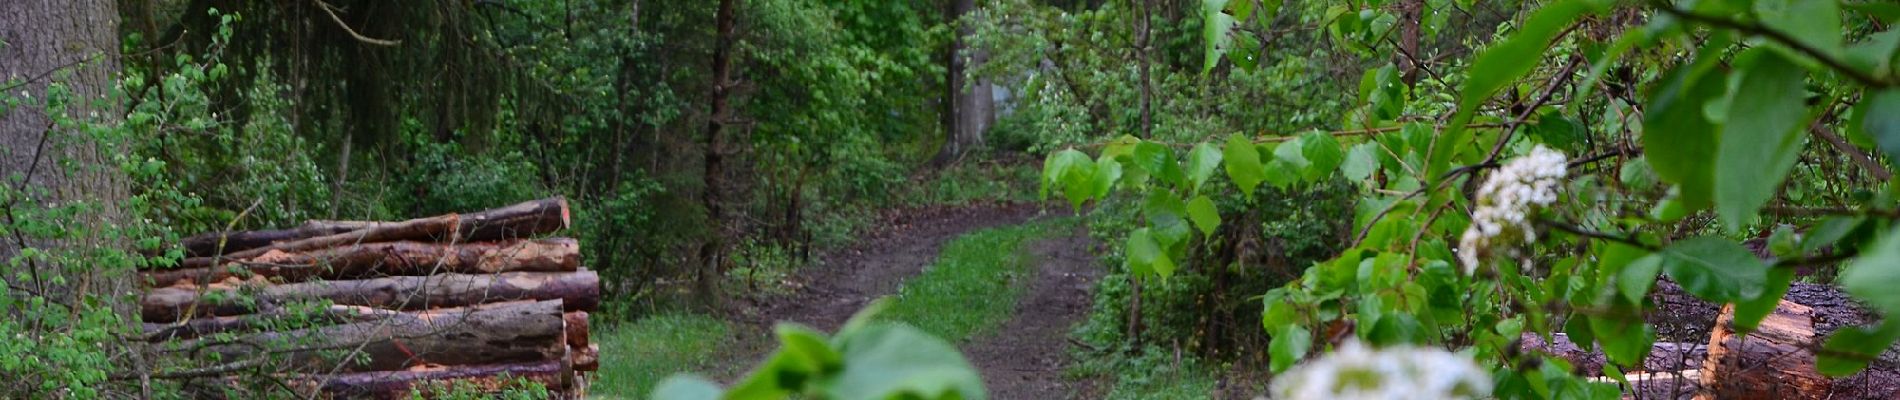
[974, 284]
[635, 356]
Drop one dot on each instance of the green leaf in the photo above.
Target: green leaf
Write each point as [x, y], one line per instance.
[1850, 350]
[895, 361]
[1145, 256]
[1202, 212]
[1158, 161]
[1762, 139]
[1216, 32]
[1636, 278]
[1558, 132]
[1201, 164]
[1323, 154]
[1288, 345]
[1881, 119]
[1829, 231]
[1361, 162]
[1107, 172]
[687, 387]
[1886, 12]
[1873, 276]
[1243, 164]
[1625, 341]
[1504, 63]
[1678, 139]
[1716, 269]
[1058, 166]
[1749, 313]
[1816, 23]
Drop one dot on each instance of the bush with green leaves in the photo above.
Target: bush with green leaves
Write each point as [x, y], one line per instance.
[1580, 158]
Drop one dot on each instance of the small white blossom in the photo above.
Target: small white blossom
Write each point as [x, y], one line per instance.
[1358, 372]
[1505, 203]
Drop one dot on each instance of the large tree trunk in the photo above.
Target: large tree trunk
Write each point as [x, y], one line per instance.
[382, 259]
[511, 332]
[713, 253]
[581, 290]
[972, 106]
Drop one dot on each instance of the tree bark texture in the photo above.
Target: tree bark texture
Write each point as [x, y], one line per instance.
[381, 259]
[522, 220]
[1776, 361]
[712, 254]
[391, 385]
[512, 332]
[580, 290]
[972, 106]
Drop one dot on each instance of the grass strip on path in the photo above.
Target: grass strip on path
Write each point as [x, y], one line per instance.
[975, 282]
[639, 354]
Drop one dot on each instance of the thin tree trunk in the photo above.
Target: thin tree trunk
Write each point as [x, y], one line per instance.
[1410, 11]
[1143, 45]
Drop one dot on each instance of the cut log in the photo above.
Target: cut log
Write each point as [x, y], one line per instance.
[211, 244]
[381, 259]
[512, 332]
[397, 384]
[523, 220]
[1776, 361]
[335, 314]
[580, 290]
[445, 228]
[586, 358]
[576, 328]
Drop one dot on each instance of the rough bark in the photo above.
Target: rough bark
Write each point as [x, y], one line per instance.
[712, 254]
[577, 329]
[382, 259]
[208, 244]
[194, 328]
[1410, 14]
[586, 358]
[580, 290]
[397, 384]
[443, 228]
[1776, 361]
[971, 104]
[526, 219]
[513, 332]
[522, 220]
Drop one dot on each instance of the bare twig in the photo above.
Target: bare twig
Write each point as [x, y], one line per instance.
[331, 11]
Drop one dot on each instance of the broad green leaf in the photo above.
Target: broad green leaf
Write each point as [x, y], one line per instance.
[1243, 164]
[1276, 311]
[1288, 345]
[687, 387]
[1875, 275]
[896, 361]
[1322, 154]
[1121, 146]
[1558, 132]
[1107, 172]
[1678, 139]
[1850, 350]
[1876, 53]
[1167, 219]
[1201, 164]
[1886, 12]
[1716, 269]
[1292, 153]
[1057, 165]
[1829, 231]
[1626, 341]
[1145, 256]
[1158, 161]
[1361, 162]
[1202, 212]
[1749, 313]
[1637, 277]
[1880, 118]
[1216, 31]
[1762, 139]
[1816, 23]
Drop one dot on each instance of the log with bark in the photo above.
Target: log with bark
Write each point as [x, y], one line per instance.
[523, 220]
[580, 290]
[1776, 361]
[586, 358]
[380, 259]
[554, 374]
[334, 314]
[510, 332]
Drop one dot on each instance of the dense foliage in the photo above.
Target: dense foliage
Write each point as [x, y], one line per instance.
[1546, 183]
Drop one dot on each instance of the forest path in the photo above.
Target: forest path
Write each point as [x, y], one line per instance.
[1024, 359]
[1021, 359]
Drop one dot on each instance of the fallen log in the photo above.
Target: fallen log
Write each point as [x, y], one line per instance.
[492, 378]
[577, 327]
[586, 358]
[1776, 361]
[522, 220]
[511, 332]
[579, 289]
[194, 328]
[383, 258]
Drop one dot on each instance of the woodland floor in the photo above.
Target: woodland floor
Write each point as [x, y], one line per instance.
[1023, 359]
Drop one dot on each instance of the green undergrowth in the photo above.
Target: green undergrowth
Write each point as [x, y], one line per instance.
[973, 286]
[636, 355]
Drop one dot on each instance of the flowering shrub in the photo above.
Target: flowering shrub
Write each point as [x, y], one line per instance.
[1356, 371]
[1506, 203]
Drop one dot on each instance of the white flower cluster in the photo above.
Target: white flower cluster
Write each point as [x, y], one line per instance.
[1505, 203]
[1358, 372]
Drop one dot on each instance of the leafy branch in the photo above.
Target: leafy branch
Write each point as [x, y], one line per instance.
[1784, 39]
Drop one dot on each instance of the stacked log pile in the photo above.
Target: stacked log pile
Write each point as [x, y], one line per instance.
[482, 299]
